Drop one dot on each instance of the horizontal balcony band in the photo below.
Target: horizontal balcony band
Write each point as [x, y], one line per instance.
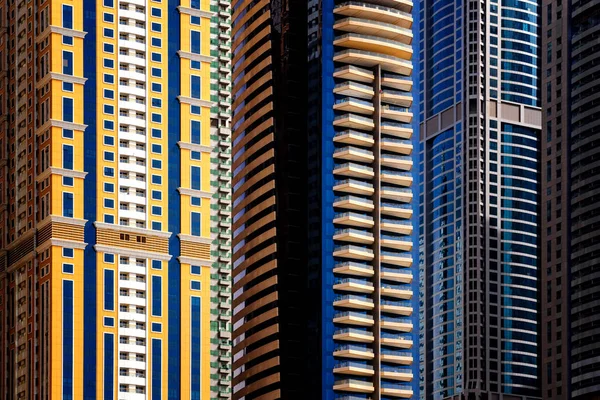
[375, 12]
[370, 60]
[353, 335]
[353, 385]
[353, 186]
[353, 301]
[350, 136]
[353, 368]
[353, 105]
[351, 72]
[351, 153]
[377, 29]
[353, 89]
[396, 129]
[353, 268]
[376, 44]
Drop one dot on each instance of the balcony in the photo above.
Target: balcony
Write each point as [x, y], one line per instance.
[369, 59]
[353, 170]
[350, 72]
[403, 259]
[353, 268]
[353, 368]
[397, 374]
[398, 226]
[361, 352]
[352, 153]
[353, 318]
[396, 242]
[396, 324]
[353, 236]
[395, 161]
[399, 178]
[353, 186]
[354, 89]
[354, 137]
[353, 301]
[397, 391]
[353, 335]
[402, 307]
[353, 252]
[353, 385]
[397, 113]
[397, 356]
[353, 219]
[353, 203]
[395, 81]
[397, 145]
[353, 285]
[375, 44]
[375, 12]
[401, 210]
[397, 129]
[396, 340]
[396, 274]
[354, 121]
[397, 98]
[352, 105]
[378, 29]
[396, 291]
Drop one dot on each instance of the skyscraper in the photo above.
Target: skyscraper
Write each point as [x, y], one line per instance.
[479, 230]
[106, 199]
[322, 245]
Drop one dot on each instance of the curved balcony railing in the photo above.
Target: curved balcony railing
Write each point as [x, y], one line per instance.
[397, 189]
[355, 68]
[352, 381]
[400, 303]
[376, 38]
[340, 281]
[356, 364]
[356, 314]
[353, 264]
[375, 7]
[395, 336]
[355, 149]
[353, 132]
[396, 173]
[400, 238]
[395, 287]
[357, 331]
[391, 75]
[353, 198]
[357, 347]
[353, 182]
[397, 157]
[382, 25]
[402, 206]
[352, 297]
[353, 116]
[397, 353]
[395, 386]
[353, 165]
[401, 270]
[353, 214]
[396, 124]
[396, 141]
[355, 231]
[396, 320]
[397, 60]
[396, 221]
[396, 370]
[355, 84]
[354, 100]
[397, 254]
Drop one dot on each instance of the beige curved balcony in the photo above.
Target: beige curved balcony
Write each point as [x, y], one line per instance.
[370, 59]
[353, 121]
[354, 186]
[401, 5]
[404, 163]
[350, 368]
[399, 146]
[399, 226]
[397, 276]
[401, 393]
[374, 28]
[375, 44]
[352, 73]
[353, 351]
[353, 335]
[398, 82]
[397, 293]
[398, 178]
[353, 219]
[353, 253]
[353, 170]
[405, 375]
[396, 193]
[354, 302]
[403, 131]
[397, 308]
[396, 326]
[403, 243]
[354, 286]
[396, 113]
[354, 137]
[352, 318]
[351, 153]
[353, 236]
[353, 385]
[399, 259]
[352, 268]
[397, 342]
[353, 89]
[375, 12]
[397, 98]
[354, 203]
[396, 210]
[403, 358]
[352, 105]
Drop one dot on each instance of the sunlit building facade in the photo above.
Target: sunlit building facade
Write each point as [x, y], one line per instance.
[105, 267]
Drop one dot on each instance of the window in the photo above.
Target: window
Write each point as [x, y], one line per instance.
[195, 344]
[195, 178]
[67, 16]
[67, 86]
[195, 132]
[195, 64]
[109, 258]
[195, 155]
[157, 367]
[195, 270]
[68, 325]
[67, 156]
[67, 133]
[68, 252]
[156, 164]
[196, 201]
[156, 296]
[109, 156]
[108, 109]
[156, 42]
[196, 224]
[109, 94]
[109, 48]
[68, 268]
[195, 285]
[67, 181]
[156, 327]
[156, 12]
[67, 109]
[109, 78]
[109, 219]
[157, 87]
[108, 63]
[156, 179]
[109, 203]
[195, 42]
[108, 17]
[156, 264]
[156, 57]
[109, 289]
[67, 61]
[68, 204]
[156, 118]
[195, 90]
[156, 27]
[195, 110]
[109, 33]
[156, 226]
[156, 133]
[156, 102]
[109, 125]
[156, 72]
[194, 20]
[156, 210]
[109, 140]
[68, 40]
[109, 187]
[156, 195]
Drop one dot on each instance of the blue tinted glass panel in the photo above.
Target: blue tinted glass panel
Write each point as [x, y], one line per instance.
[109, 289]
[196, 224]
[195, 132]
[67, 342]
[67, 181]
[156, 296]
[156, 369]
[109, 365]
[195, 42]
[67, 63]
[68, 253]
[67, 16]
[195, 178]
[68, 205]
[196, 88]
[67, 109]
[67, 156]
[195, 344]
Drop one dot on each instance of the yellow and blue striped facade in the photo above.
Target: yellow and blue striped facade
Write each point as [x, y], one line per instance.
[120, 248]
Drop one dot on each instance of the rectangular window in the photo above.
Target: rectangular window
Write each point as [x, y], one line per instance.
[67, 133]
[195, 285]
[194, 20]
[156, 226]
[156, 12]
[109, 187]
[67, 181]
[68, 40]
[67, 156]
[156, 87]
[195, 132]
[156, 296]
[109, 156]
[156, 133]
[67, 86]
[109, 94]
[108, 109]
[68, 253]
[109, 289]
[67, 204]
[156, 102]
[109, 33]
[156, 42]
[195, 347]
[67, 16]
[196, 89]
[109, 203]
[108, 63]
[108, 17]
[109, 125]
[109, 258]
[156, 210]
[156, 164]
[67, 62]
[195, 64]
[156, 179]
[156, 57]
[156, 72]
[196, 201]
[109, 78]
[195, 4]
[195, 269]
[68, 339]
[67, 109]
[156, 195]
[196, 221]
[157, 369]
[109, 48]
[68, 268]
[109, 365]
[195, 155]
[156, 27]
[156, 264]
[109, 140]
[157, 118]
[195, 42]
[195, 178]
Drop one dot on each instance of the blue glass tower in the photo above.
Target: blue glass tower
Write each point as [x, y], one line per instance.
[479, 203]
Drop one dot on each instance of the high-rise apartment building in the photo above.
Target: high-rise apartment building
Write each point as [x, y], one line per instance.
[479, 222]
[322, 247]
[106, 283]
